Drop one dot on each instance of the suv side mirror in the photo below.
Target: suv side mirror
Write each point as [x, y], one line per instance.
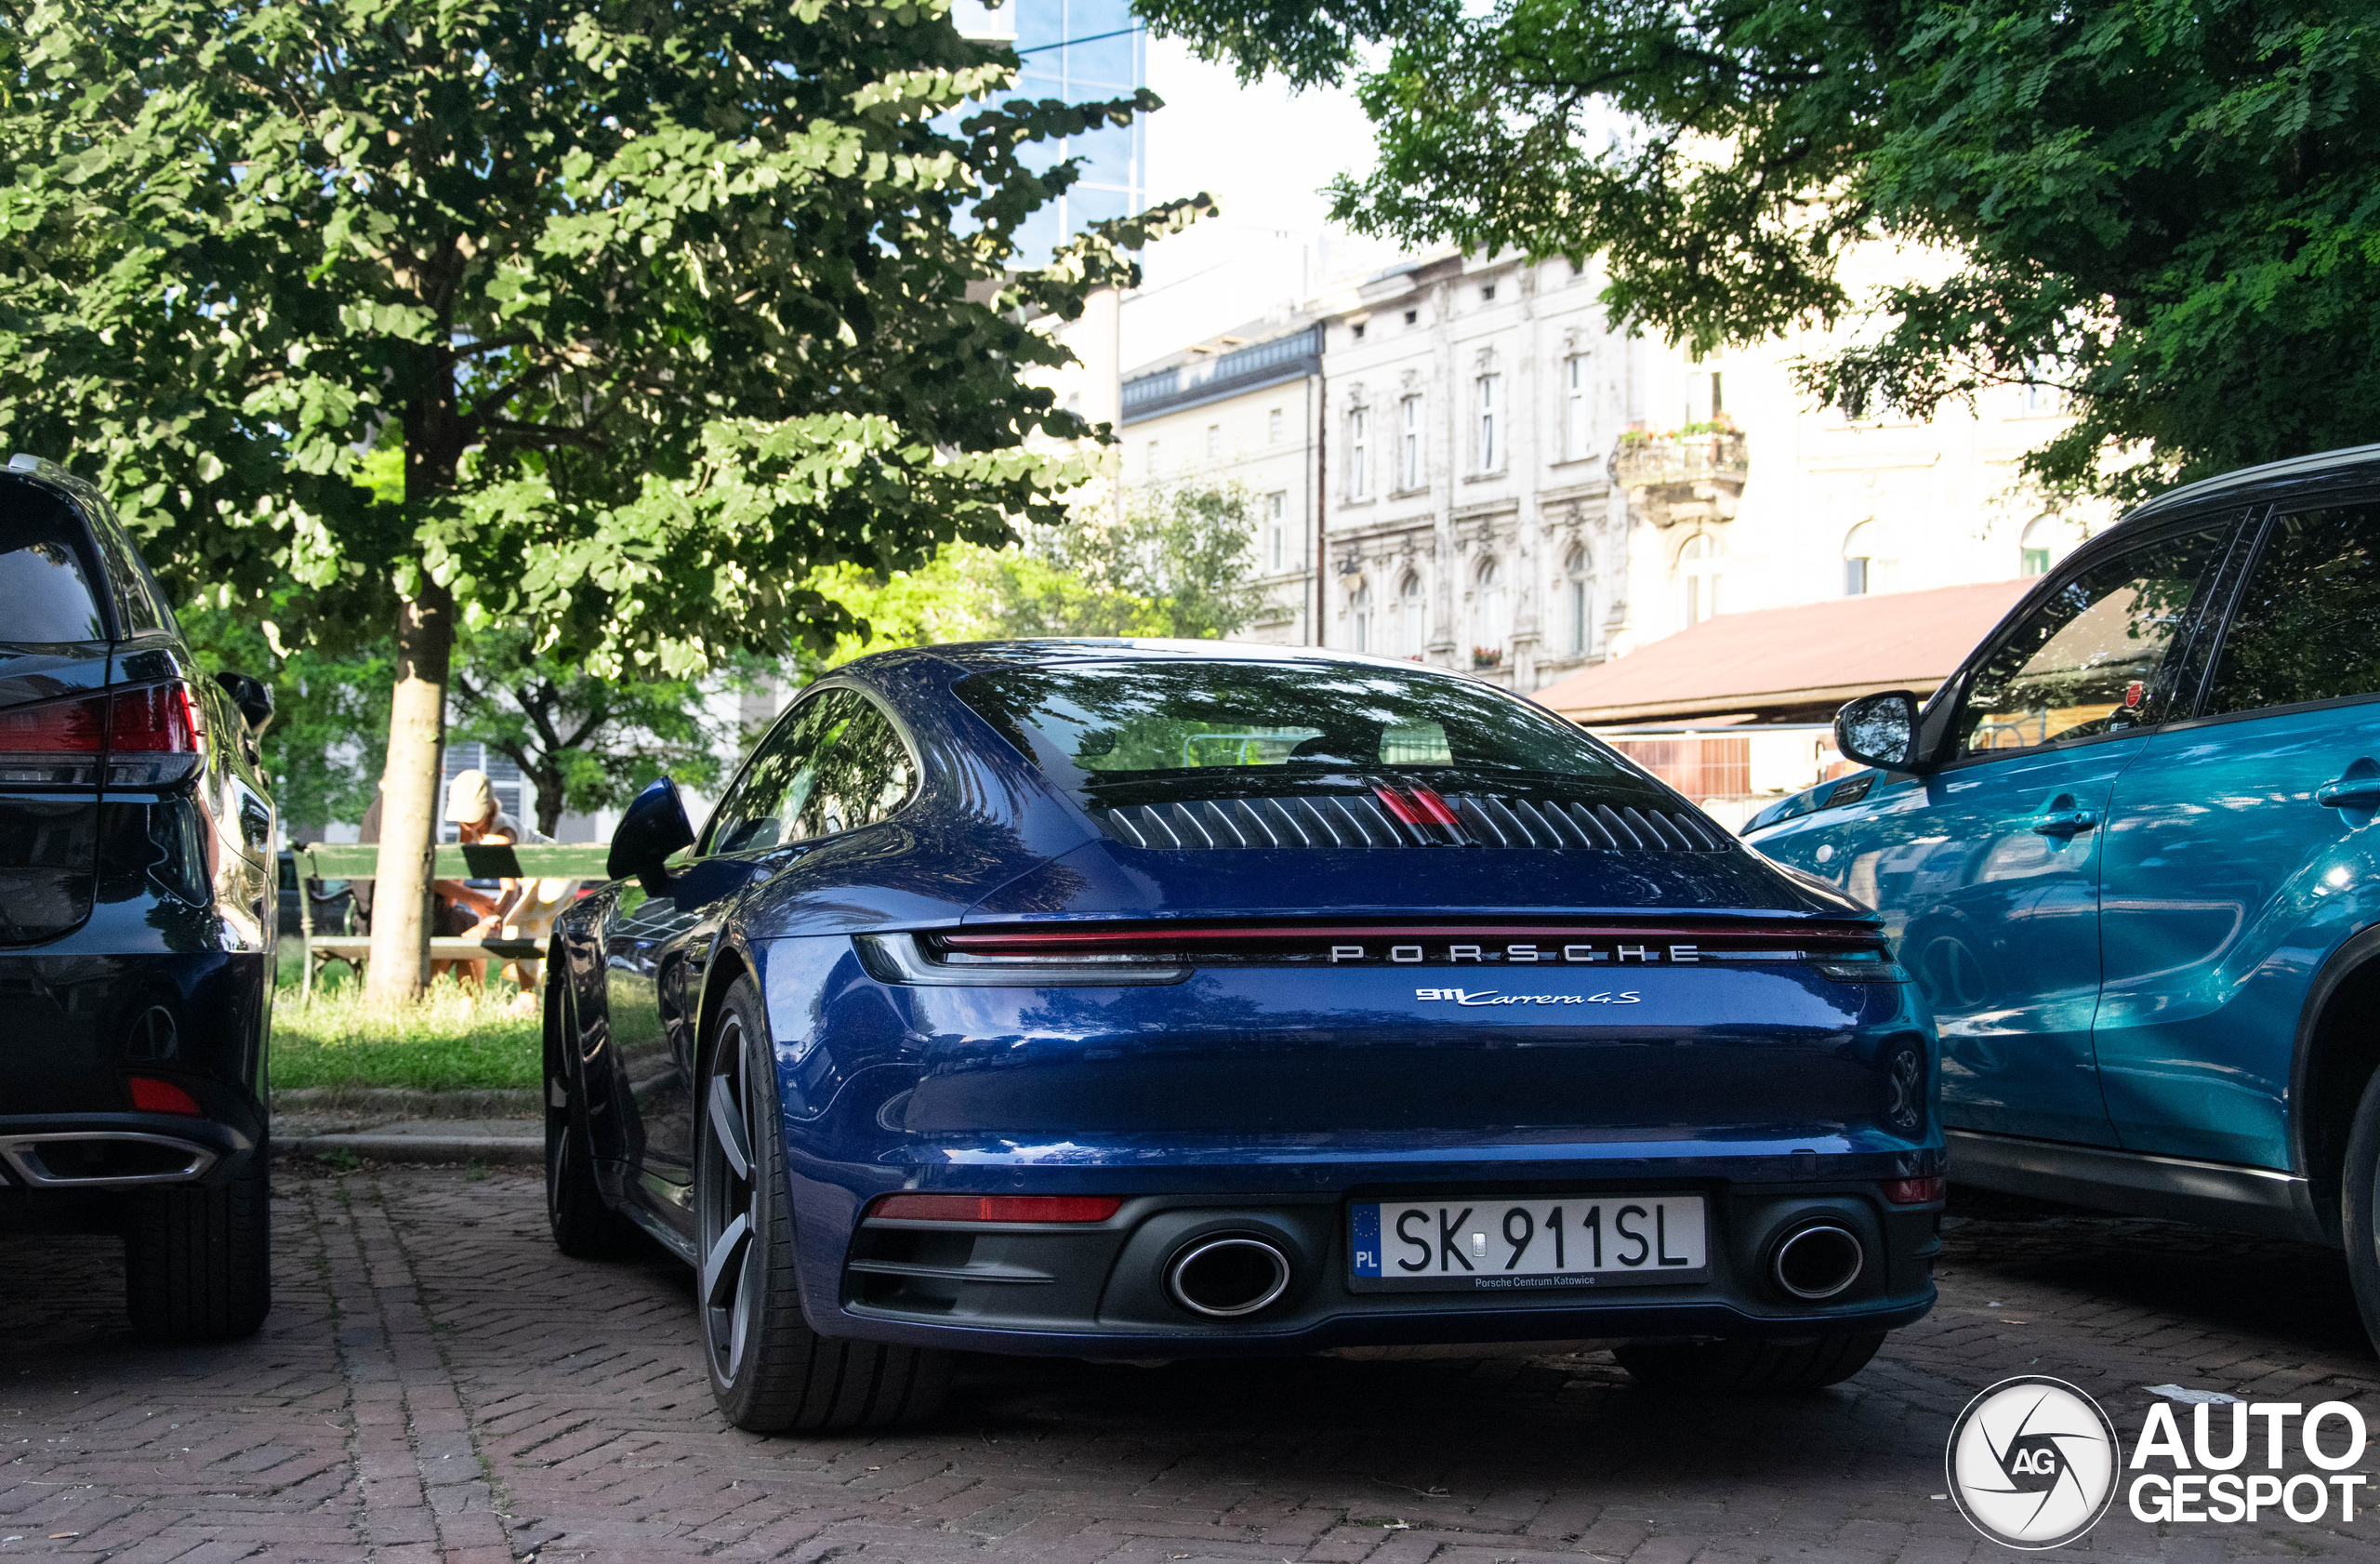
[253, 697]
[654, 827]
[1879, 730]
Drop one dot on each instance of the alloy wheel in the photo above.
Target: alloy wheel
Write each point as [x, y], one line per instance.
[726, 1202]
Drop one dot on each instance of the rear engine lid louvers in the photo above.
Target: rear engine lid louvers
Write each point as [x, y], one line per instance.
[1414, 817]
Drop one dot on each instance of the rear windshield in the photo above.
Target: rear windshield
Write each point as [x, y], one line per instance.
[46, 594]
[1097, 722]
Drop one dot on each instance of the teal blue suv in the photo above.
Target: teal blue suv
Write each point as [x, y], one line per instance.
[2127, 854]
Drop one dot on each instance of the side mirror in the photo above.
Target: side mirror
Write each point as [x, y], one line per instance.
[654, 827]
[253, 697]
[1879, 731]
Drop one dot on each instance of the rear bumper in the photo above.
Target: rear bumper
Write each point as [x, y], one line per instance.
[1099, 1290]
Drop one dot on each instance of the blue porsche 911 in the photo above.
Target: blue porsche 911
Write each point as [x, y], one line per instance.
[1150, 1000]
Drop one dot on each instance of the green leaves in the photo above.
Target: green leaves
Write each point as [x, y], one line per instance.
[2169, 207]
[664, 307]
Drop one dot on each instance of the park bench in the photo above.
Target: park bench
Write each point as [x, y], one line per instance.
[362, 861]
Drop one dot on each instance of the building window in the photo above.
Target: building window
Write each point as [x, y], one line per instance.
[1858, 556]
[1491, 397]
[1412, 630]
[1275, 425]
[2047, 539]
[1488, 293]
[1409, 443]
[1697, 563]
[1411, 316]
[1360, 610]
[1214, 440]
[1359, 429]
[1356, 332]
[1276, 518]
[1578, 589]
[1152, 461]
[1575, 431]
[1487, 625]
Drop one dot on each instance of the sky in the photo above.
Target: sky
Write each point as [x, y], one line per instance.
[1264, 153]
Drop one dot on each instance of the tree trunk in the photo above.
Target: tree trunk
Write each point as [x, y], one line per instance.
[551, 796]
[409, 797]
[409, 787]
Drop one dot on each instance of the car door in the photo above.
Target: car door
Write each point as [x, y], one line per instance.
[2238, 856]
[656, 948]
[1988, 868]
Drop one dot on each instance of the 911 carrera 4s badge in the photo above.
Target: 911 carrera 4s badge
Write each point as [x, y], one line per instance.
[1489, 995]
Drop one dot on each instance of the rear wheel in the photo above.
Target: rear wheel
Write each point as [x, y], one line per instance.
[769, 1371]
[2360, 1208]
[584, 1225]
[198, 1261]
[1749, 1367]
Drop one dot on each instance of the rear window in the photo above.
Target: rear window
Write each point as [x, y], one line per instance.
[46, 592]
[1092, 723]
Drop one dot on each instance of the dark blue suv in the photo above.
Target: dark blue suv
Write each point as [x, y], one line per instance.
[2126, 852]
[137, 922]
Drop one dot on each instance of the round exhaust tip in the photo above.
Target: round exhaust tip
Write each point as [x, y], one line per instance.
[1818, 1260]
[1228, 1276]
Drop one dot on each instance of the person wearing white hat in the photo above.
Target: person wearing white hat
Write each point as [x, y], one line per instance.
[521, 908]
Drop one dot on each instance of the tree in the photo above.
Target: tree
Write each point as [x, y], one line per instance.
[583, 743]
[1175, 562]
[2171, 208]
[668, 301]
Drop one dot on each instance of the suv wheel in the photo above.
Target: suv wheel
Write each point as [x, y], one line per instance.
[198, 1260]
[1749, 1367]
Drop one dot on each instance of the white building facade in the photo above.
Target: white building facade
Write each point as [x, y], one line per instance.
[1457, 461]
[1244, 409]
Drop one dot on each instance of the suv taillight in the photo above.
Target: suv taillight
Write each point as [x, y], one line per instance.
[147, 736]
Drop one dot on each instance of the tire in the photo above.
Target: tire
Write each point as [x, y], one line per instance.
[1749, 1367]
[584, 1225]
[2360, 1208]
[198, 1260]
[769, 1372]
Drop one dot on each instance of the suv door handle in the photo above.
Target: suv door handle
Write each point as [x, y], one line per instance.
[2357, 788]
[2064, 822]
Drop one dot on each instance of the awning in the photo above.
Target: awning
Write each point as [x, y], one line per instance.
[1772, 660]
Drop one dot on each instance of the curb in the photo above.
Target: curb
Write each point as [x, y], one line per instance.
[501, 1150]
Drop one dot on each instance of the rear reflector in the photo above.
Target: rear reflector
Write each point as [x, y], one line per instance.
[1914, 1191]
[998, 1208]
[151, 1095]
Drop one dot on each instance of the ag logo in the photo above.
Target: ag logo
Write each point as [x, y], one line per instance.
[2033, 1463]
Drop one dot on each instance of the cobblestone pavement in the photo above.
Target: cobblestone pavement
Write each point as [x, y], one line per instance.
[436, 1383]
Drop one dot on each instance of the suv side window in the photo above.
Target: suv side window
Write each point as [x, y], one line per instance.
[2099, 656]
[2308, 625]
[833, 764]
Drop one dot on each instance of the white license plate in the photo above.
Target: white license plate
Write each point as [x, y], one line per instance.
[1504, 1245]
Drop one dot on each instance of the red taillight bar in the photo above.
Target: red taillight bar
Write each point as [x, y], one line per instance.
[150, 734]
[998, 1208]
[1166, 936]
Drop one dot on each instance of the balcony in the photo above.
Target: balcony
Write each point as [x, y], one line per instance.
[1682, 477]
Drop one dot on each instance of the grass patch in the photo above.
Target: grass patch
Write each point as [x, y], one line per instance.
[455, 1040]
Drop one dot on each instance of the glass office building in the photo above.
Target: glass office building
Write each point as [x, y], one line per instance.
[1077, 51]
